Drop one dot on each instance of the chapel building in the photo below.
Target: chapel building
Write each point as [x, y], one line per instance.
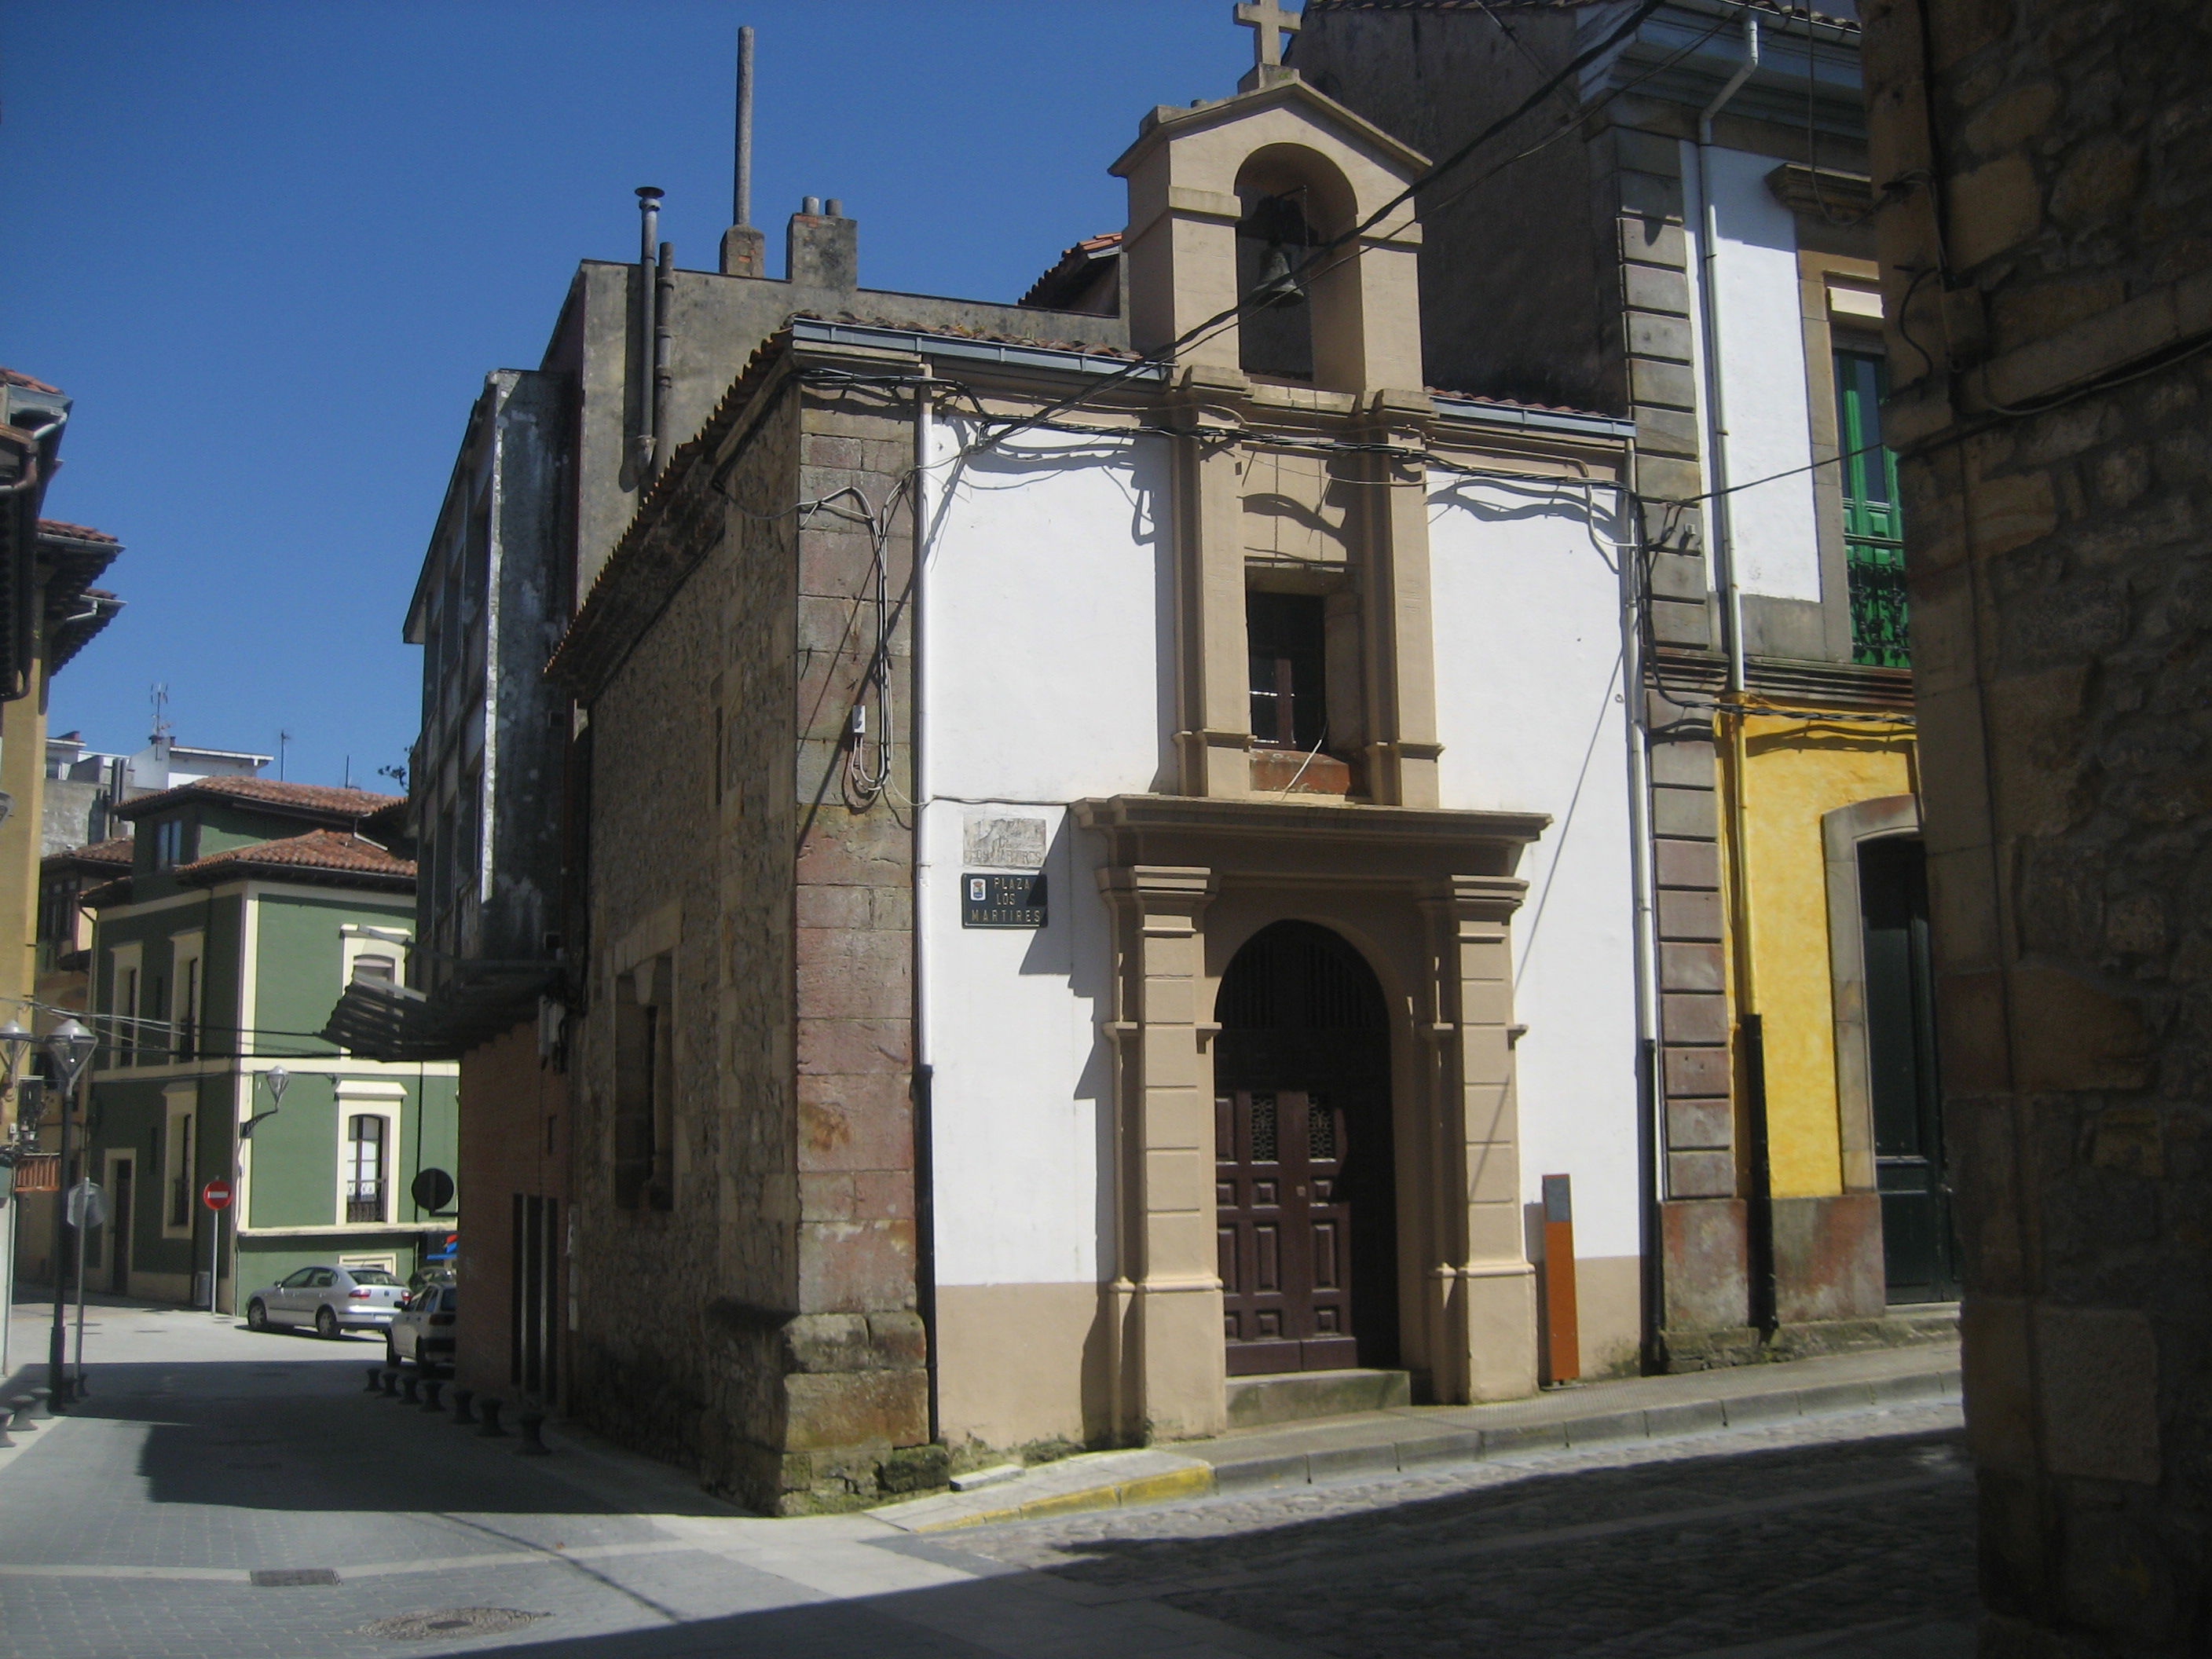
[1110, 866]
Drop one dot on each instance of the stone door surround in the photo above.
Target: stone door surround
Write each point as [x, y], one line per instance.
[1842, 832]
[1427, 896]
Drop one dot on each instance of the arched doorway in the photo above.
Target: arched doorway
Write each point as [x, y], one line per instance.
[1304, 1188]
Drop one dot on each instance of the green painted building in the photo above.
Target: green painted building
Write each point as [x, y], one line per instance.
[249, 905]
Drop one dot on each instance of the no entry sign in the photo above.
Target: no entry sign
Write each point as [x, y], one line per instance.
[216, 1194]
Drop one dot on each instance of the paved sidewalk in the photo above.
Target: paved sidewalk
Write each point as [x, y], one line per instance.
[1404, 1437]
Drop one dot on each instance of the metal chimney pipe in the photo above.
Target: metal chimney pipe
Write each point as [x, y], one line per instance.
[664, 377]
[741, 212]
[648, 235]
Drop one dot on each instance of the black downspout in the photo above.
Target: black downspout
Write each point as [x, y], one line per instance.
[1653, 1278]
[925, 1237]
[1759, 1212]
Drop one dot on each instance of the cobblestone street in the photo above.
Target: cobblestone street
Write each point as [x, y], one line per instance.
[1862, 1522]
[227, 1494]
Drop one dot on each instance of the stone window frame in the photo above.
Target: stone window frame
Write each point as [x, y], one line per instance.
[1818, 270]
[642, 974]
[181, 1103]
[1843, 832]
[187, 1010]
[357, 939]
[370, 1097]
[125, 964]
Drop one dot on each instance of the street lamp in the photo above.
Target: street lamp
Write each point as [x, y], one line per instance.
[21, 1138]
[69, 1047]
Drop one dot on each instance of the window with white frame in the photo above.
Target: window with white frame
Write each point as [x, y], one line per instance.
[373, 955]
[179, 1160]
[367, 1166]
[121, 1032]
[185, 1012]
[368, 1113]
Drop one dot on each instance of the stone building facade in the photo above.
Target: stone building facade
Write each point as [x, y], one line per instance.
[2046, 251]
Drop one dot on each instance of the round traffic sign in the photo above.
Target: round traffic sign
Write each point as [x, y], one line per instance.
[216, 1194]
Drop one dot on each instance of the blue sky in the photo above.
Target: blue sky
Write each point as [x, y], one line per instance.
[271, 250]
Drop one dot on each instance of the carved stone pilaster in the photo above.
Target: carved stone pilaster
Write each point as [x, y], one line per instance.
[1482, 1310]
[1168, 1365]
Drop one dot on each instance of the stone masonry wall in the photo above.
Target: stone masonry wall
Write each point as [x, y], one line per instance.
[2051, 308]
[764, 1328]
[662, 1359]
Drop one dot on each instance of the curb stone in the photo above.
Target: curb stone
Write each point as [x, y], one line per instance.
[1121, 1479]
[1650, 1423]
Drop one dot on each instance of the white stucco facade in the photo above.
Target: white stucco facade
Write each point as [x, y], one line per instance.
[1526, 587]
[1043, 675]
[1774, 525]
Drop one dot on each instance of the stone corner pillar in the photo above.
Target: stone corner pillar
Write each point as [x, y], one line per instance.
[1482, 1319]
[1168, 1363]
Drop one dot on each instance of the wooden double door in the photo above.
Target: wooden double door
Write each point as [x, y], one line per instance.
[1303, 1188]
[1285, 1231]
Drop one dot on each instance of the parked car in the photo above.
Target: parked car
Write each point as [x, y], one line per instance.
[422, 1330]
[332, 1299]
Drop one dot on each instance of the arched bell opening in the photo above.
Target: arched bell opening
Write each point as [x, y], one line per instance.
[1305, 1189]
[1298, 297]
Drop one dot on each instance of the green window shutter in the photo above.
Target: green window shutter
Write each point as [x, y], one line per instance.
[1873, 534]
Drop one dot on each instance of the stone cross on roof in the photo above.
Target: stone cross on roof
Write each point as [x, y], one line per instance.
[1268, 22]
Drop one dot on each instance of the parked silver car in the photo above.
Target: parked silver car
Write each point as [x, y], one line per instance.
[422, 1330]
[332, 1299]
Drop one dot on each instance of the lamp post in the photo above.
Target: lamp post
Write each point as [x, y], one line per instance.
[278, 1080]
[70, 1046]
[14, 1040]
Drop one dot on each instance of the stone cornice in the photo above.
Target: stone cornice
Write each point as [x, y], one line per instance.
[1291, 841]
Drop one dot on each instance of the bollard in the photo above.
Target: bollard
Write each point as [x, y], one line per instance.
[488, 1411]
[430, 1387]
[391, 1382]
[42, 1405]
[461, 1398]
[376, 1379]
[21, 1412]
[6, 1439]
[410, 1384]
[534, 1445]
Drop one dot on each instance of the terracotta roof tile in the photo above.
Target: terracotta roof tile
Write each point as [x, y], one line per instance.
[116, 849]
[16, 377]
[273, 791]
[83, 533]
[319, 849]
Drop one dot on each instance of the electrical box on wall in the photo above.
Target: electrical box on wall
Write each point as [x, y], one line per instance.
[1002, 901]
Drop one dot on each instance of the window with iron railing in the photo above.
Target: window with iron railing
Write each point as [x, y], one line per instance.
[1873, 533]
[365, 1167]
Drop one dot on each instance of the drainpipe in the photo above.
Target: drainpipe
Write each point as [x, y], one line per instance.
[664, 304]
[921, 659]
[649, 234]
[1750, 1030]
[1717, 514]
[1652, 1126]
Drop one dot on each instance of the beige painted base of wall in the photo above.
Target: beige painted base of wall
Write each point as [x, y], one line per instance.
[1021, 1363]
[158, 1287]
[1609, 1305]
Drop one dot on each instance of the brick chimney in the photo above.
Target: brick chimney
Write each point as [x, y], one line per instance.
[823, 249]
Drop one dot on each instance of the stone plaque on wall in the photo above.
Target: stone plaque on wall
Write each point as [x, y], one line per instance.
[1005, 843]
